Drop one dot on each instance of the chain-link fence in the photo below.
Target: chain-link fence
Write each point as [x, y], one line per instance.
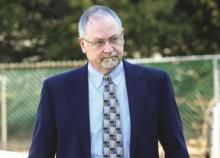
[193, 85]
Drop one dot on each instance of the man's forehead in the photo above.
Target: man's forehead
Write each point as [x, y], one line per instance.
[101, 24]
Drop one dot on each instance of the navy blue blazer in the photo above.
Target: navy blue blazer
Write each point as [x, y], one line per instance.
[62, 122]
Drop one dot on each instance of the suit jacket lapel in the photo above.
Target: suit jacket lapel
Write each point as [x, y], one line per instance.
[78, 96]
[136, 89]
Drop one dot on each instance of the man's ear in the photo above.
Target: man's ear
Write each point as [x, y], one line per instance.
[122, 30]
[82, 44]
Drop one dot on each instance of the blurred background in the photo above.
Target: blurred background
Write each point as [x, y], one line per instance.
[38, 38]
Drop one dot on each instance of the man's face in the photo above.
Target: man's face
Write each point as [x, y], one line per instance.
[103, 43]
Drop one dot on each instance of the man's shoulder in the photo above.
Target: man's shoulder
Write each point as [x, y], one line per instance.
[151, 75]
[144, 69]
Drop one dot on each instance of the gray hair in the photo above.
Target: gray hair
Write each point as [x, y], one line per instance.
[95, 9]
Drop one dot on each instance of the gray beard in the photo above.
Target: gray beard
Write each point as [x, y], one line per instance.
[110, 63]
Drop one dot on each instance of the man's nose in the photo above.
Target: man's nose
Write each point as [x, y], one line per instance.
[108, 47]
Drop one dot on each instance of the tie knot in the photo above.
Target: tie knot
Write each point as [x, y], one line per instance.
[107, 78]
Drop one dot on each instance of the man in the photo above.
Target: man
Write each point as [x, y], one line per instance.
[108, 108]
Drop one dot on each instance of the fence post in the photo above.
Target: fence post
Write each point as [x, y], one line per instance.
[3, 80]
[215, 134]
[216, 80]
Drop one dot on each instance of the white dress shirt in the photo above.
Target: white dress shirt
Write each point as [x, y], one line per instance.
[96, 88]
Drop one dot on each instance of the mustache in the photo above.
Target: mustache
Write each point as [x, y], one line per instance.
[110, 55]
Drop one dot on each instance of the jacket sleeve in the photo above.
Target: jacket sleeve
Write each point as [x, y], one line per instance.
[170, 127]
[44, 136]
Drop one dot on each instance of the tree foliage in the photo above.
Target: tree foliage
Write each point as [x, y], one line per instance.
[47, 29]
[204, 17]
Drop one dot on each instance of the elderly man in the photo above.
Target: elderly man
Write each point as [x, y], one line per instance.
[108, 108]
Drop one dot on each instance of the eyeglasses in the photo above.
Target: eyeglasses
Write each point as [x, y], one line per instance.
[114, 40]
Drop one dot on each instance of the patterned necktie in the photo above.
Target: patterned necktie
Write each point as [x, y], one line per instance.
[112, 137]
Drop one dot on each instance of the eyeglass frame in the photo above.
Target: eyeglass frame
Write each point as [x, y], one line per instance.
[114, 40]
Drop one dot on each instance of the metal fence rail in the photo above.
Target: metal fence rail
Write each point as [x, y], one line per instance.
[195, 80]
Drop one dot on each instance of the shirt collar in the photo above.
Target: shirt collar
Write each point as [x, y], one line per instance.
[117, 73]
[96, 77]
